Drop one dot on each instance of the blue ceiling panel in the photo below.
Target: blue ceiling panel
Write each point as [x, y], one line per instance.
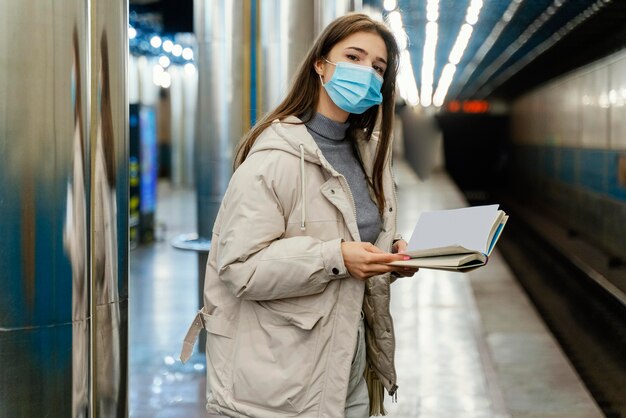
[539, 18]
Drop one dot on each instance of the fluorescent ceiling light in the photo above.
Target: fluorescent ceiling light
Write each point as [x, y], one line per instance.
[444, 84]
[465, 33]
[395, 20]
[430, 48]
[390, 5]
[155, 41]
[461, 43]
[406, 80]
[488, 43]
[168, 45]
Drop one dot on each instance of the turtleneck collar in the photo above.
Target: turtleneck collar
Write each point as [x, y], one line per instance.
[326, 127]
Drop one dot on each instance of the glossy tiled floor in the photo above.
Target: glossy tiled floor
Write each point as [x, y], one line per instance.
[468, 345]
[163, 290]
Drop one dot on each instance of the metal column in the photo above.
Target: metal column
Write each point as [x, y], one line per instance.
[49, 142]
[109, 206]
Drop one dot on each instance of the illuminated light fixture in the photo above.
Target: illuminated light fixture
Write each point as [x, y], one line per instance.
[444, 84]
[132, 32]
[395, 20]
[401, 39]
[155, 41]
[160, 77]
[177, 50]
[489, 42]
[468, 106]
[538, 50]
[461, 43]
[157, 71]
[390, 5]
[430, 47]
[475, 106]
[454, 106]
[432, 10]
[406, 85]
[168, 45]
[465, 33]
[473, 10]
[164, 61]
[406, 80]
[166, 80]
[188, 54]
[190, 69]
[513, 48]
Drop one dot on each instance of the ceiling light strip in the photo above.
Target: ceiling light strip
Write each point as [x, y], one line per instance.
[430, 47]
[543, 47]
[491, 39]
[407, 88]
[465, 33]
[406, 80]
[515, 46]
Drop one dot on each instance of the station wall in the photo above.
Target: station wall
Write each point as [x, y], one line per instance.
[569, 150]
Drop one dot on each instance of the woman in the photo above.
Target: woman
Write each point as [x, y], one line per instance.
[297, 282]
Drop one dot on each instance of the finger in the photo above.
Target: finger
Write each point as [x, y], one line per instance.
[381, 268]
[401, 246]
[374, 249]
[387, 258]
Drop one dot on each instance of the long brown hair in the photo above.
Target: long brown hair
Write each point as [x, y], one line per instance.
[304, 94]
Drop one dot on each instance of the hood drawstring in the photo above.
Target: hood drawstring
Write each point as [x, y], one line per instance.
[303, 189]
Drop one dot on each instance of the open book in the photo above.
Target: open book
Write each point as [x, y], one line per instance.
[455, 239]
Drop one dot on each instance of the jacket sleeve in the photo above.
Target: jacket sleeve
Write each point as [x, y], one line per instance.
[254, 259]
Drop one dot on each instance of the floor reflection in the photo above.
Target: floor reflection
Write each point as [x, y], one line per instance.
[163, 292]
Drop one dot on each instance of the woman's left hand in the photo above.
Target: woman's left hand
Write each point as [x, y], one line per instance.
[399, 247]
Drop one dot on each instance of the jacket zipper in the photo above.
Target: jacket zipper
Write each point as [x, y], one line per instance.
[393, 392]
[344, 181]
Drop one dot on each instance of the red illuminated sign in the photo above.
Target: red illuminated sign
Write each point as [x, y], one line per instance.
[468, 106]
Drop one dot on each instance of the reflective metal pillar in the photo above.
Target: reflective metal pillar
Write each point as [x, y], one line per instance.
[44, 203]
[288, 30]
[56, 223]
[287, 33]
[222, 79]
[219, 31]
[109, 206]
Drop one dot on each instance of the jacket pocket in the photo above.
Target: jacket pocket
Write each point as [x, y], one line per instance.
[276, 351]
[219, 347]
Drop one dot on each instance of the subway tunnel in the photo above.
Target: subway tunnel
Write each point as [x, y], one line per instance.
[118, 129]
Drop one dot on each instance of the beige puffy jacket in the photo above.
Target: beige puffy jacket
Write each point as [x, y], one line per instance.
[280, 308]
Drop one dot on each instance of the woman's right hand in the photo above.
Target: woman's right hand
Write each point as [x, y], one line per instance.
[364, 260]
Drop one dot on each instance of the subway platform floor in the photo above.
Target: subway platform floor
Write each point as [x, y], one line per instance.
[468, 345]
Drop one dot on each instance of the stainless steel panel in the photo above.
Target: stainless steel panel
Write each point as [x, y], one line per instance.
[617, 101]
[220, 61]
[109, 211]
[287, 33]
[595, 108]
[44, 304]
[328, 10]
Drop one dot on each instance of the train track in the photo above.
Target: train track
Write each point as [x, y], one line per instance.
[588, 321]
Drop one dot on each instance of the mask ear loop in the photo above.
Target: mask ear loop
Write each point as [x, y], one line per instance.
[330, 62]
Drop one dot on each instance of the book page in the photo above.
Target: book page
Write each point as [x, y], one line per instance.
[467, 227]
[443, 261]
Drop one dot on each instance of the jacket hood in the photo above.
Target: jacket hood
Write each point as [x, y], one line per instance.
[289, 135]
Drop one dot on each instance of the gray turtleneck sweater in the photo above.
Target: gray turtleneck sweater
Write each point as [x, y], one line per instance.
[330, 137]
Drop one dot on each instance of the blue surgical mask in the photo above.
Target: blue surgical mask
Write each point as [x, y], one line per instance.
[354, 88]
